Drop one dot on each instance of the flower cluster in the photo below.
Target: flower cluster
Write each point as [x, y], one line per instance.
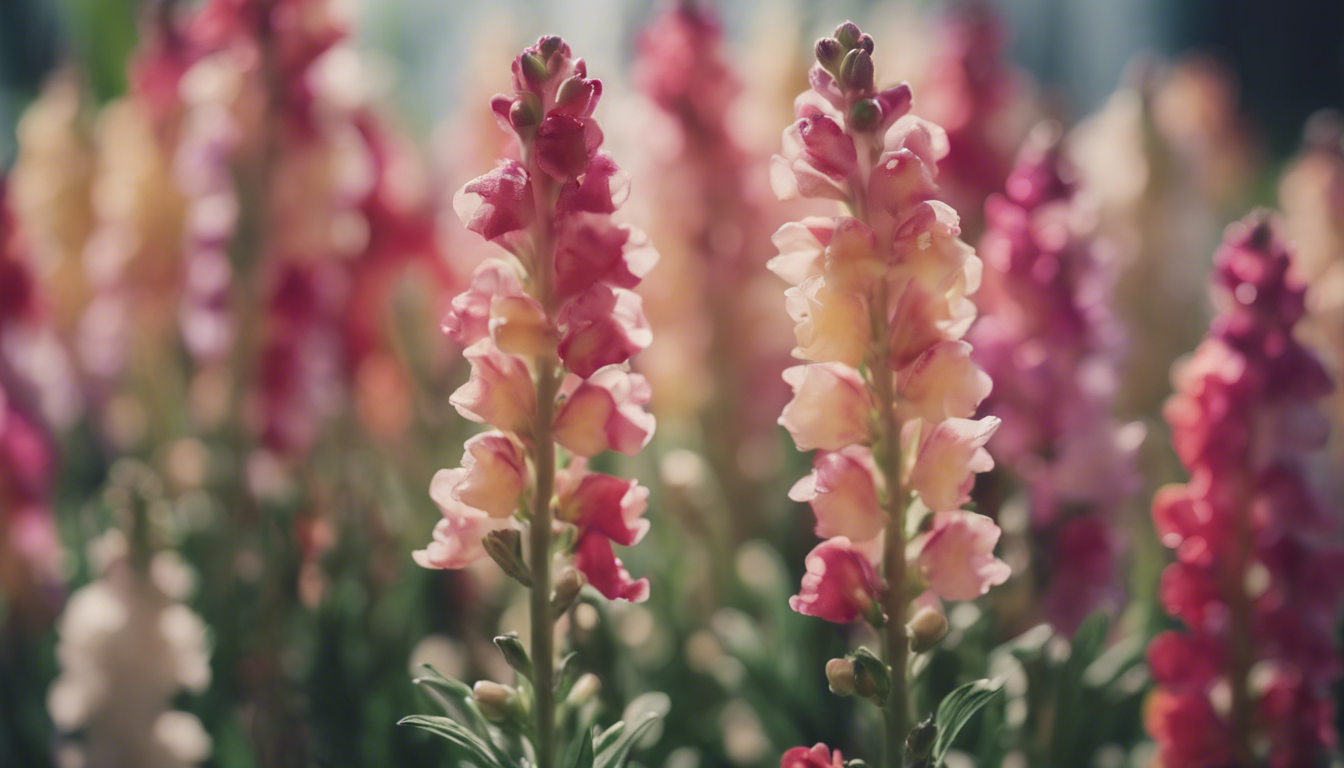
[35, 400]
[889, 391]
[1313, 216]
[1256, 588]
[974, 94]
[714, 309]
[548, 330]
[275, 116]
[127, 648]
[1047, 339]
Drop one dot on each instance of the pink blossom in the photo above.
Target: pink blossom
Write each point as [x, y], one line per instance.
[830, 408]
[801, 246]
[818, 160]
[468, 321]
[606, 412]
[840, 584]
[500, 391]
[590, 248]
[565, 144]
[842, 490]
[1247, 510]
[497, 204]
[595, 559]
[950, 453]
[605, 510]
[519, 326]
[495, 474]
[944, 383]
[459, 535]
[853, 263]
[816, 756]
[605, 326]
[957, 556]
[831, 326]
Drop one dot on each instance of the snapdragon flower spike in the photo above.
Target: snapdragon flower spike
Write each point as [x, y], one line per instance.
[28, 449]
[552, 317]
[1256, 580]
[889, 390]
[1051, 345]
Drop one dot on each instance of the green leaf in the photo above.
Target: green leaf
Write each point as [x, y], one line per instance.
[956, 710]
[585, 756]
[613, 752]
[515, 654]
[471, 745]
[565, 674]
[454, 696]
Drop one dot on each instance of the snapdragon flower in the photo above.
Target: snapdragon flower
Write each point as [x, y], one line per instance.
[550, 325]
[889, 393]
[1256, 580]
[1052, 347]
[127, 648]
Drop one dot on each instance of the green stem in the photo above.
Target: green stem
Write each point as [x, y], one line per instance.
[543, 619]
[543, 441]
[896, 650]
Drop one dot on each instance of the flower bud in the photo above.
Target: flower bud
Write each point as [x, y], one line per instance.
[840, 676]
[865, 43]
[829, 52]
[848, 34]
[514, 653]
[919, 744]
[926, 629]
[493, 699]
[569, 89]
[524, 113]
[865, 114]
[534, 68]
[856, 71]
[549, 45]
[568, 584]
[585, 688]
[872, 677]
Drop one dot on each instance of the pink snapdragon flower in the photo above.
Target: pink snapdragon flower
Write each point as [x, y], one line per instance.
[1256, 583]
[459, 536]
[551, 326]
[1048, 340]
[816, 756]
[841, 584]
[890, 390]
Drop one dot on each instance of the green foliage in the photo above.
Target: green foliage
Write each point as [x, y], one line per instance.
[956, 710]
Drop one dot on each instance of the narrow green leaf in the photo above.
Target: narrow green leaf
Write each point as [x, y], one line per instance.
[956, 710]
[585, 755]
[455, 733]
[618, 752]
[456, 699]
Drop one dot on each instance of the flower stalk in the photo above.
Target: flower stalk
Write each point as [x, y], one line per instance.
[887, 399]
[549, 328]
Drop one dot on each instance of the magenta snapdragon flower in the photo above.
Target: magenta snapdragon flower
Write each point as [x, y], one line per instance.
[549, 327]
[1046, 337]
[1256, 582]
